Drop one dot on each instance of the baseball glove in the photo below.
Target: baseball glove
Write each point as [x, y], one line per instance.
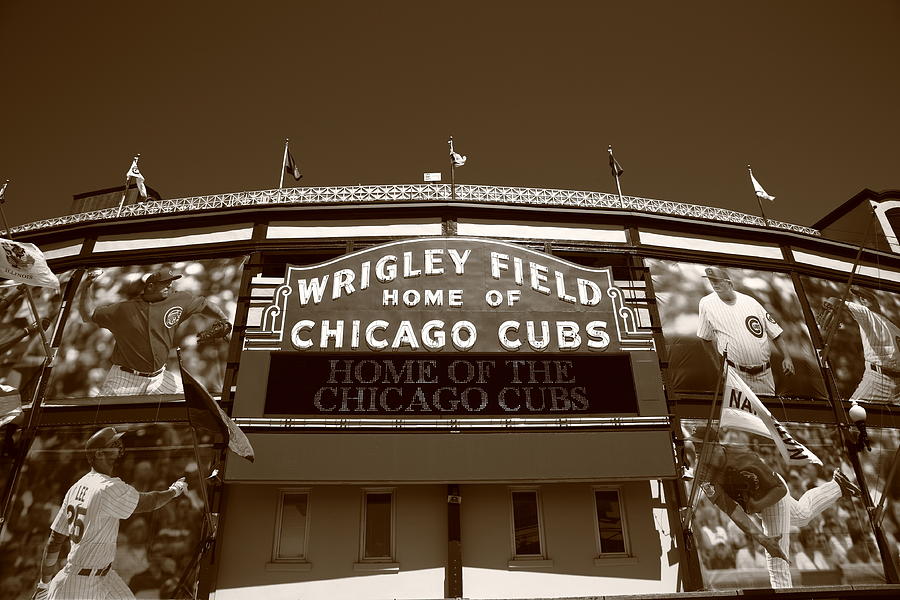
[831, 309]
[215, 332]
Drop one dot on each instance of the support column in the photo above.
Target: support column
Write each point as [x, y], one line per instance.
[454, 543]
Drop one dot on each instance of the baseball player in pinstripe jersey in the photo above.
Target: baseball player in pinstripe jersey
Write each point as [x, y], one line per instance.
[881, 347]
[144, 329]
[737, 322]
[738, 481]
[89, 518]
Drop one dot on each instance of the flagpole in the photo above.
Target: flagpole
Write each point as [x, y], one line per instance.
[833, 325]
[197, 457]
[452, 172]
[125, 191]
[705, 449]
[283, 163]
[615, 170]
[758, 199]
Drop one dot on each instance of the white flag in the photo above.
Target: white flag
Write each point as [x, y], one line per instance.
[457, 159]
[138, 178]
[25, 263]
[10, 404]
[742, 410]
[758, 188]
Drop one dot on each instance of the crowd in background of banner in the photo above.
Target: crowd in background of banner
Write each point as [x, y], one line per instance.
[839, 541]
[153, 549]
[86, 348]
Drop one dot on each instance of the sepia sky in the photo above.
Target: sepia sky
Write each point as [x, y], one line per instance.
[688, 93]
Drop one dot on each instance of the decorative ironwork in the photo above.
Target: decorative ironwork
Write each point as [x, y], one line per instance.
[482, 194]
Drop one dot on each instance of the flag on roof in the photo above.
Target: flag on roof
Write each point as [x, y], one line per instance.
[614, 165]
[457, 159]
[25, 263]
[290, 167]
[135, 173]
[758, 188]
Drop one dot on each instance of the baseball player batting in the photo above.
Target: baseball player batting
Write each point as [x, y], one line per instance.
[738, 481]
[880, 343]
[144, 330]
[89, 517]
[737, 322]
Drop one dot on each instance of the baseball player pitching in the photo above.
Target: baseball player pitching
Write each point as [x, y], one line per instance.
[738, 481]
[144, 330]
[880, 343]
[737, 322]
[89, 518]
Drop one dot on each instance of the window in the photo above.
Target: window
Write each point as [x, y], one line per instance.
[610, 522]
[292, 526]
[377, 531]
[528, 535]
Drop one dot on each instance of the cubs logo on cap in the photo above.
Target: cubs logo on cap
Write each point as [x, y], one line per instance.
[103, 438]
[716, 273]
[161, 276]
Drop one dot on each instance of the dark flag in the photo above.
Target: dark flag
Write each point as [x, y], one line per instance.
[290, 167]
[205, 413]
[614, 164]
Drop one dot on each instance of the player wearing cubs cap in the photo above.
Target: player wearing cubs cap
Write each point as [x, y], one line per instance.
[880, 344]
[737, 322]
[89, 518]
[144, 329]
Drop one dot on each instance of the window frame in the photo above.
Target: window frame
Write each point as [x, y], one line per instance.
[276, 541]
[540, 518]
[363, 559]
[598, 542]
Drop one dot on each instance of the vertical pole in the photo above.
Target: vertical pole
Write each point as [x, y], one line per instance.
[210, 529]
[614, 167]
[454, 543]
[125, 191]
[761, 211]
[619, 189]
[283, 164]
[705, 449]
[756, 190]
[452, 173]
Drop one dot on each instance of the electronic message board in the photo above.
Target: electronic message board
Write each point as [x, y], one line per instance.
[354, 385]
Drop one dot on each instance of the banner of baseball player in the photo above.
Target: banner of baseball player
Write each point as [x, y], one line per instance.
[126, 323]
[881, 465]
[121, 500]
[757, 506]
[21, 351]
[864, 349]
[754, 315]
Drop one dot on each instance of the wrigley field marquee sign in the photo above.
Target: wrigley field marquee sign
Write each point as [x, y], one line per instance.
[411, 325]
